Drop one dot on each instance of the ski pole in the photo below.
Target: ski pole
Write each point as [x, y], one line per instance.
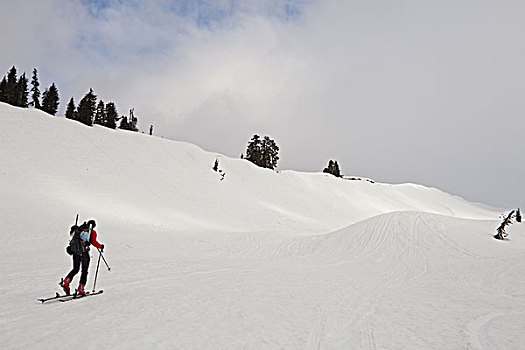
[96, 274]
[105, 262]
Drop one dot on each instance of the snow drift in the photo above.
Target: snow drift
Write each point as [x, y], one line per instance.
[256, 260]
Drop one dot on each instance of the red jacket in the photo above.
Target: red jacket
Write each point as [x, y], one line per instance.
[93, 240]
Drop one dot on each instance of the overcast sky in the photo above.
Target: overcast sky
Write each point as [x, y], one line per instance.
[430, 92]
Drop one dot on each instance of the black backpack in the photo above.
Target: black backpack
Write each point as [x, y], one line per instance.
[77, 245]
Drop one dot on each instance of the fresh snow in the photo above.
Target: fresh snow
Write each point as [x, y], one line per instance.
[257, 260]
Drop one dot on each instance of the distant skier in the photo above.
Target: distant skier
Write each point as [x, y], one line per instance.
[83, 237]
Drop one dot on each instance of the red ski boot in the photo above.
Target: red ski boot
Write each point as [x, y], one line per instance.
[80, 290]
[65, 285]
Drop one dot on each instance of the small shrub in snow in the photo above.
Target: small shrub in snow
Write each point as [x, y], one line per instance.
[501, 233]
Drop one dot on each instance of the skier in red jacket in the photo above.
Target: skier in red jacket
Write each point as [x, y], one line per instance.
[82, 258]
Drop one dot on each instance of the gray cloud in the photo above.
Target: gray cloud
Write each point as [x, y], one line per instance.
[426, 92]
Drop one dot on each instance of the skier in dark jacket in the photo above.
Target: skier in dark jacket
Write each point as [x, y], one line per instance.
[82, 258]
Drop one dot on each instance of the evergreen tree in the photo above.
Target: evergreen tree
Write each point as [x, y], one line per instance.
[329, 168]
[3, 90]
[337, 170]
[100, 114]
[111, 116]
[133, 124]
[87, 108]
[50, 100]
[129, 123]
[332, 168]
[254, 150]
[501, 233]
[270, 154]
[123, 123]
[518, 215]
[21, 92]
[132, 120]
[263, 153]
[35, 97]
[12, 80]
[70, 110]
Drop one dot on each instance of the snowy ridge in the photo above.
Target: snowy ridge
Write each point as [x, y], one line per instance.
[138, 179]
[258, 260]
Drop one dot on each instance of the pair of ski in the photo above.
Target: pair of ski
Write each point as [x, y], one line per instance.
[70, 297]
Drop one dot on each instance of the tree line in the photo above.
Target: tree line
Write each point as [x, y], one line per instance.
[90, 112]
[14, 91]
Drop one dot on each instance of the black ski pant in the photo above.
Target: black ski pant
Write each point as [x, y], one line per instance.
[77, 261]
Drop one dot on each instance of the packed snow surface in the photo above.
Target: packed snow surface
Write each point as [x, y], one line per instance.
[247, 258]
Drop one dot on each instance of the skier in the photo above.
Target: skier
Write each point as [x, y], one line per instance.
[82, 257]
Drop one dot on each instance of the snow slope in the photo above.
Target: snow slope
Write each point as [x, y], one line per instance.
[258, 260]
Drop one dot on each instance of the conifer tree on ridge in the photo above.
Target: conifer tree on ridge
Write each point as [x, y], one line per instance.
[263, 153]
[35, 97]
[12, 81]
[21, 93]
[129, 123]
[50, 100]
[100, 113]
[87, 108]
[111, 118]
[71, 113]
[3, 90]
[333, 168]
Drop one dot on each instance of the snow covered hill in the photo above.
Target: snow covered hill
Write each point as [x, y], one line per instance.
[256, 260]
[135, 179]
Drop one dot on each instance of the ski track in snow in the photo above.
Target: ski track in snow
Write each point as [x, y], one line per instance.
[365, 287]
